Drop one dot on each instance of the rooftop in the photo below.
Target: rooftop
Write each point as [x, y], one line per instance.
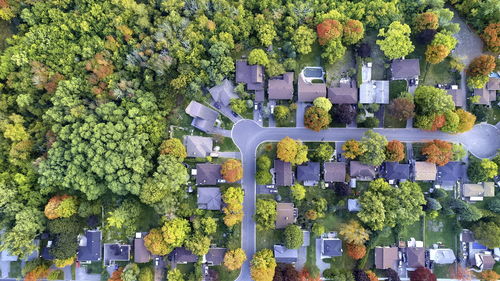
[307, 91]
[223, 93]
[283, 171]
[442, 256]
[485, 189]
[197, 146]
[141, 254]
[331, 247]
[215, 256]
[452, 171]
[286, 214]
[251, 75]
[281, 87]
[386, 257]
[395, 171]
[207, 173]
[209, 198]
[456, 95]
[416, 257]
[361, 171]
[425, 171]
[116, 252]
[309, 172]
[285, 255]
[374, 91]
[334, 171]
[344, 94]
[203, 117]
[89, 248]
[405, 68]
[182, 255]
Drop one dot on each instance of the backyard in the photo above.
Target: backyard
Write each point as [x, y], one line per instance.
[377, 57]
[340, 68]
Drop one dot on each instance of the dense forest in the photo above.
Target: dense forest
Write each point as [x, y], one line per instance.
[88, 88]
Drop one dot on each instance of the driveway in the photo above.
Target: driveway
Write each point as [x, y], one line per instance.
[5, 268]
[299, 116]
[230, 154]
[319, 262]
[226, 111]
[81, 274]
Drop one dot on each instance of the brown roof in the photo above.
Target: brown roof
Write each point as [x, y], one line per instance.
[281, 87]
[361, 171]
[259, 96]
[215, 256]
[307, 92]
[488, 261]
[493, 84]
[455, 94]
[416, 257]
[425, 171]
[486, 189]
[335, 171]
[405, 68]
[252, 75]
[283, 171]
[386, 257]
[141, 254]
[285, 214]
[486, 96]
[343, 94]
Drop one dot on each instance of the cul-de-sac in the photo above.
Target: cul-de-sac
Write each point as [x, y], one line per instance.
[240, 140]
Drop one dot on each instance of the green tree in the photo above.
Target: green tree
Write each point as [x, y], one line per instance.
[375, 144]
[146, 274]
[303, 38]
[175, 275]
[477, 82]
[318, 229]
[130, 272]
[301, 155]
[452, 122]
[431, 100]
[333, 50]
[298, 191]
[354, 233]
[238, 105]
[323, 103]
[293, 237]
[263, 177]
[353, 32]
[458, 152]
[209, 225]
[265, 214]
[281, 113]
[265, 30]
[198, 244]
[124, 219]
[396, 42]
[264, 162]
[324, 152]
[175, 231]
[258, 56]
[482, 170]
[445, 39]
[316, 118]
[488, 234]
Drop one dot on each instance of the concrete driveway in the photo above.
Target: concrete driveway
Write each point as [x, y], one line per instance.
[319, 262]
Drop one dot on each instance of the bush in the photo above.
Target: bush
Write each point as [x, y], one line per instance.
[293, 237]
[263, 177]
[56, 275]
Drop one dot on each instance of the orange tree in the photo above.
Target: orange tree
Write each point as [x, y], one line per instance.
[234, 259]
[395, 151]
[356, 251]
[428, 20]
[232, 170]
[287, 149]
[328, 30]
[436, 53]
[61, 206]
[353, 149]
[155, 243]
[438, 152]
[316, 118]
[353, 31]
[491, 36]
[482, 65]
[488, 275]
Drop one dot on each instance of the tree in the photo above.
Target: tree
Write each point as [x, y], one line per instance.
[293, 237]
[488, 234]
[467, 120]
[396, 42]
[263, 177]
[342, 189]
[303, 38]
[481, 171]
[383, 205]
[281, 113]
[353, 32]
[258, 56]
[353, 233]
[491, 36]
[175, 231]
[452, 120]
[438, 152]
[392, 275]
[477, 82]
[130, 272]
[430, 100]
[488, 275]
[316, 118]
[375, 144]
[175, 275]
[124, 219]
[265, 214]
[117, 275]
[422, 274]
[395, 151]
[301, 155]
[238, 105]
[433, 204]
[61, 207]
[233, 197]
[436, 53]
[426, 36]
[318, 229]
[481, 66]
[175, 148]
[285, 272]
[232, 170]
[333, 50]
[428, 20]
[146, 274]
[338, 274]
[324, 152]
[234, 259]
[155, 243]
[353, 149]
[445, 39]
[264, 162]
[360, 275]
[371, 122]
[263, 265]
[287, 149]
[198, 244]
[329, 30]
[344, 113]
[356, 251]
[323, 103]
[298, 192]
[60, 263]
[371, 275]
[265, 30]
[494, 205]
[402, 108]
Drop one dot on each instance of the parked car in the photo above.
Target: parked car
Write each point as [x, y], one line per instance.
[273, 191]
[256, 106]
[272, 109]
[217, 105]
[234, 113]
[270, 186]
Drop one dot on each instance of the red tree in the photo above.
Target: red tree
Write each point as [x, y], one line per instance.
[117, 275]
[438, 152]
[439, 122]
[482, 65]
[353, 31]
[491, 36]
[422, 274]
[232, 170]
[395, 151]
[356, 251]
[329, 30]
[305, 275]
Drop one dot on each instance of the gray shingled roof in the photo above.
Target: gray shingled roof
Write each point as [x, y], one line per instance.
[286, 214]
[141, 254]
[307, 92]
[395, 171]
[283, 173]
[252, 75]
[281, 87]
[116, 252]
[308, 172]
[455, 94]
[285, 255]
[452, 171]
[207, 173]
[405, 68]
[223, 93]
[361, 171]
[344, 94]
[215, 256]
[209, 198]
[416, 257]
[203, 117]
[335, 171]
[89, 248]
[331, 247]
[182, 255]
[197, 146]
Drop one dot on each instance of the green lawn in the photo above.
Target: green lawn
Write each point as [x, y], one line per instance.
[226, 144]
[443, 270]
[268, 238]
[15, 269]
[94, 267]
[343, 261]
[417, 151]
[224, 274]
[186, 268]
[311, 59]
[414, 230]
[441, 230]
[377, 56]
[345, 64]
[289, 122]
[396, 87]
[432, 74]
[391, 122]
[248, 114]
[495, 117]
[311, 257]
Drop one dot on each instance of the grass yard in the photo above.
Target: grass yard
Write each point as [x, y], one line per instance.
[311, 59]
[377, 56]
[396, 87]
[494, 118]
[441, 230]
[94, 267]
[443, 270]
[414, 230]
[344, 261]
[247, 114]
[268, 148]
[339, 69]
[391, 122]
[226, 144]
[289, 122]
[224, 274]
[311, 257]
[268, 238]
[186, 268]
[15, 269]
[439, 74]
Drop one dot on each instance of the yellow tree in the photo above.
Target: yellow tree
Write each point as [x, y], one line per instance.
[287, 149]
[354, 233]
[353, 149]
[263, 265]
[234, 259]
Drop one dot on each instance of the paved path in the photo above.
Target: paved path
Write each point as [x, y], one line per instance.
[5, 268]
[226, 111]
[482, 141]
[230, 154]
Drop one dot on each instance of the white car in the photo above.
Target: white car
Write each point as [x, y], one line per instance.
[272, 108]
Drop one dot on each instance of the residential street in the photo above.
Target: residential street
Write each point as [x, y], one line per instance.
[483, 141]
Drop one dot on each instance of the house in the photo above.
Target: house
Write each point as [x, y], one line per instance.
[331, 247]
[334, 171]
[361, 171]
[286, 214]
[284, 255]
[484, 261]
[45, 252]
[457, 95]
[209, 198]
[386, 257]
[181, 255]
[204, 118]
[215, 256]
[207, 174]
[223, 93]
[450, 173]
[251, 75]
[197, 146]
[141, 254]
[467, 236]
[89, 246]
[416, 257]
[309, 173]
[425, 171]
[442, 256]
[405, 69]
[116, 252]
[476, 192]
[353, 205]
[374, 91]
[280, 87]
[395, 171]
[346, 93]
[283, 173]
[489, 92]
[309, 91]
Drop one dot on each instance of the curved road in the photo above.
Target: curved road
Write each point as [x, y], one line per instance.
[483, 141]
